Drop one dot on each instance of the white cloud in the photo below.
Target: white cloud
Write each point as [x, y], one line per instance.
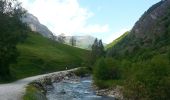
[64, 16]
[117, 34]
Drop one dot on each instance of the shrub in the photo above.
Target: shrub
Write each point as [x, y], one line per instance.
[106, 69]
[150, 80]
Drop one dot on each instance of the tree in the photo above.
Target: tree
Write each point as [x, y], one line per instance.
[73, 41]
[94, 52]
[101, 51]
[61, 38]
[97, 50]
[11, 32]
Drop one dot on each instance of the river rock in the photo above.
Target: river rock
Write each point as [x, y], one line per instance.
[112, 92]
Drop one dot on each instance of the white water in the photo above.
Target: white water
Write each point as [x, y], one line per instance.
[71, 90]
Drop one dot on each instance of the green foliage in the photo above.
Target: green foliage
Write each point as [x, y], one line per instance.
[145, 59]
[97, 51]
[105, 69]
[149, 80]
[32, 93]
[40, 55]
[117, 40]
[102, 84]
[12, 31]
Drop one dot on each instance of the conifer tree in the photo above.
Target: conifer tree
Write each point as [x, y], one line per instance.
[97, 50]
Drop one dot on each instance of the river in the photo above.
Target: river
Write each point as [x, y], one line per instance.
[74, 90]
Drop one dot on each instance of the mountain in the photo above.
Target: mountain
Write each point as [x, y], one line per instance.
[152, 30]
[116, 40]
[84, 42]
[141, 57]
[39, 54]
[36, 26]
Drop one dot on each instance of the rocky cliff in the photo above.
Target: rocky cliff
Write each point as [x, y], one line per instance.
[152, 22]
[36, 26]
[152, 30]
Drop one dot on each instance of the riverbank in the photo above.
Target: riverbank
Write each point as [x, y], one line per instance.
[115, 92]
[45, 84]
[38, 88]
[16, 90]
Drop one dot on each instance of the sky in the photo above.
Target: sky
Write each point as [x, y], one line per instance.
[104, 19]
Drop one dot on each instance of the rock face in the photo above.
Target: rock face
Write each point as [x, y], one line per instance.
[36, 26]
[150, 31]
[149, 23]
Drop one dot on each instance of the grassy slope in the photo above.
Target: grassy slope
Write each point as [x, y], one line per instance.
[40, 55]
[116, 40]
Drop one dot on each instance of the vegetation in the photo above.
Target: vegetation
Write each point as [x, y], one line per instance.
[142, 64]
[144, 74]
[97, 51]
[33, 93]
[105, 70]
[117, 40]
[149, 79]
[40, 55]
[11, 33]
[24, 53]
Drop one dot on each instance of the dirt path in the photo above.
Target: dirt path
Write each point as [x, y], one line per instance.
[15, 90]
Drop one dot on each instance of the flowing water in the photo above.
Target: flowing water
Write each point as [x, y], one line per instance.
[74, 90]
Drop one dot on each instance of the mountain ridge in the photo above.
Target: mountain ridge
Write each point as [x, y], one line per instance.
[36, 26]
[150, 29]
[141, 58]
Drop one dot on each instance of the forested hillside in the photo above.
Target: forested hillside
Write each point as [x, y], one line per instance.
[139, 61]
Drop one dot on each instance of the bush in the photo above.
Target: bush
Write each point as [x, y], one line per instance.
[135, 90]
[150, 80]
[106, 69]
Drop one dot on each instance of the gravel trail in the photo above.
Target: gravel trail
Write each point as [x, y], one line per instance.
[15, 90]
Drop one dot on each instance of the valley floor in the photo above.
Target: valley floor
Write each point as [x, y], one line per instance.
[15, 90]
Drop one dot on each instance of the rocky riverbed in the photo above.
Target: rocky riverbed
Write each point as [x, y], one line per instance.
[67, 86]
[75, 88]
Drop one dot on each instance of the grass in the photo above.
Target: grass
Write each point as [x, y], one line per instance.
[116, 40]
[32, 93]
[40, 55]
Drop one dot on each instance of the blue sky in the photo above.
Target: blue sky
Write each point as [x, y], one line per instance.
[105, 19]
